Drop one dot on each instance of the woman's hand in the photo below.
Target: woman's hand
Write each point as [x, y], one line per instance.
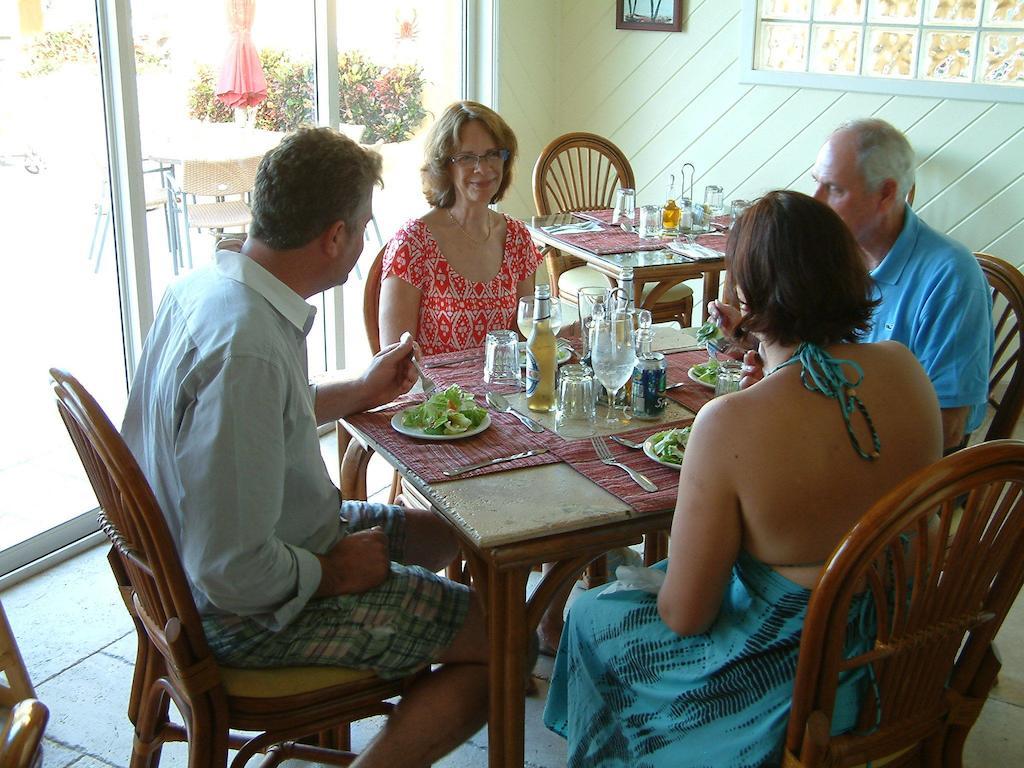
[726, 316]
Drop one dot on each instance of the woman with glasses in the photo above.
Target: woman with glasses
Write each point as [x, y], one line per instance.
[459, 270]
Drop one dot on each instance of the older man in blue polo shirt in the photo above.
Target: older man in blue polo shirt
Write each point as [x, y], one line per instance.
[934, 296]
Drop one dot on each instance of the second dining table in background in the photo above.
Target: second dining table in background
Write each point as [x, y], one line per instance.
[652, 261]
[563, 507]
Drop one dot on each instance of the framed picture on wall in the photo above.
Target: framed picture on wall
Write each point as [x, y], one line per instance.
[654, 15]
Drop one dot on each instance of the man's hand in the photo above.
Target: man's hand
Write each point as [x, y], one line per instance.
[357, 563]
[389, 374]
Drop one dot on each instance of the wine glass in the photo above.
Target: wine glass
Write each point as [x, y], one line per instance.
[524, 316]
[613, 356]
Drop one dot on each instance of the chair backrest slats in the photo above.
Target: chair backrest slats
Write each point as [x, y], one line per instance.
[131, 517]
[579, 171]
[1006, 376]
[938, 562]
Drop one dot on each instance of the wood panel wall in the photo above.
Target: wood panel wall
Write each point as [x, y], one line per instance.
[670, 98]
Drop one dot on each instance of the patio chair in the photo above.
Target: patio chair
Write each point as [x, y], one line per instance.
[940, 560]
[277, 707]
[22, 716]
[578, 172]
[211, 195]
[1006, 376]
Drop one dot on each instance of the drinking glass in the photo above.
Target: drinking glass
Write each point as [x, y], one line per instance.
[613, 356]
[625, 206]
[587, 298]
[729, 374]
[714, 202]
[576, 401]
[737, 207]
[501, 358]
[524, 316]
[650, 221]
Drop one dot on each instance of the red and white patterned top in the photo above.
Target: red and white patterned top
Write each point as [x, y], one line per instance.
[456, 313]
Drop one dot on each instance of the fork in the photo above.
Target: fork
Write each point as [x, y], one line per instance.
[428, 384]
[625, 442]
[605, 456]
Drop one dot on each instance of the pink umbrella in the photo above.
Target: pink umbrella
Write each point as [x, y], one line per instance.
[241, 82]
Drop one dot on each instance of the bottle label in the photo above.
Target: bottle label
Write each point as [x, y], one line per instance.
[532, 373]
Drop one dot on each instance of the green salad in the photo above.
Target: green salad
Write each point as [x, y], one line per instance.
[706, 372]
[710, 331]
[669, 445]
[447, 413]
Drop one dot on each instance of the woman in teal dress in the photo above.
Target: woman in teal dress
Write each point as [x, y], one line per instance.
[701, 674]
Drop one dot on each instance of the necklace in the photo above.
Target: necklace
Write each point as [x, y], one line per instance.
[469, 237]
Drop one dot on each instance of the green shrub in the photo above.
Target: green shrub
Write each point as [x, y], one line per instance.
[51, 50]
[388, 101]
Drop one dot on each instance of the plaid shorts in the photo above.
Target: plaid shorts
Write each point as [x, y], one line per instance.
[393, 629]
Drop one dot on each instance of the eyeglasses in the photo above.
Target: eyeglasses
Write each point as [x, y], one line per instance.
[469, 160]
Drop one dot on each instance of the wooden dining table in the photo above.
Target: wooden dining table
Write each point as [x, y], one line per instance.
[516, 517]
[661, 266]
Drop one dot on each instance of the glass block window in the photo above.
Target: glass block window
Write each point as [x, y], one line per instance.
[965, 42]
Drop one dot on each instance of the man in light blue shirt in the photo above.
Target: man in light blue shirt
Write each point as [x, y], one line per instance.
[223, 421]
[933, 295]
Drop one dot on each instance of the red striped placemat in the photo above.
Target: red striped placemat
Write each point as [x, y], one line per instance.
[691, 394]
[428, 458]
[582, 457]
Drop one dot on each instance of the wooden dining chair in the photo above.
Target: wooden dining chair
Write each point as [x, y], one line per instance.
[22, 716]
[1006, 375]
[21, 735]
[353, 459]
[940, 560]
[582, 171]
[280, 711]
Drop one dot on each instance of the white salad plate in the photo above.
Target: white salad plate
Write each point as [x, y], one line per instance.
[417, 432]
[649, 450]
[694, 376]
[562, 356]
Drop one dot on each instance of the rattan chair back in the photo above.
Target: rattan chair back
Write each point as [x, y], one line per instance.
[1006, 376]
[371, 301]
[577, 172]
[22, 734]
[15, 684]
[940, 559]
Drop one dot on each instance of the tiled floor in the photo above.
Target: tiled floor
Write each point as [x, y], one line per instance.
[79, 646]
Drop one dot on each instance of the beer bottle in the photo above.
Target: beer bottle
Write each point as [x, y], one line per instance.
[541, 354]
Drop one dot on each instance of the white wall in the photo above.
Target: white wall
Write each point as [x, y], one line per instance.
[670, 98]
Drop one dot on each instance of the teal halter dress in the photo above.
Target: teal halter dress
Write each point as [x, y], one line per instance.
[628, 691]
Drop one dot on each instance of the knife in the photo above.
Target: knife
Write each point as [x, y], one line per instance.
[489, 462]
[499, 403]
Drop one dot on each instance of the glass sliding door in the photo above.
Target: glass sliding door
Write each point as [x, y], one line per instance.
[59, 299]
[401, 62]
[77, 292]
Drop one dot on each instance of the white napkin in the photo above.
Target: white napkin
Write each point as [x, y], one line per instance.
[694, 251]
[632, 579]
[572, 229]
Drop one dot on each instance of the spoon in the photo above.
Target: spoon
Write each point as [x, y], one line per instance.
[499, 403]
